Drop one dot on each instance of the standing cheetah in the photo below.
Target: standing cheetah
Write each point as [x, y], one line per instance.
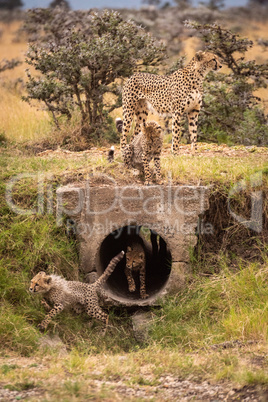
[172, 94]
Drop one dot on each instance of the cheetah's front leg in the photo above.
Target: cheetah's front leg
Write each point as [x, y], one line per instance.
[45, 305]
[127, 154]
[58, 307]
[130, 280]
[143, 293]
[146, 168]
[192, 121]
[176, 132]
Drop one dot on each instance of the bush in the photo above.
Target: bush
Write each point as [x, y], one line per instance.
[80, 55]
[232, 112]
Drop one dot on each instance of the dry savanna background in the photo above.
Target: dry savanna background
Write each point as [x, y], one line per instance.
[61, 78]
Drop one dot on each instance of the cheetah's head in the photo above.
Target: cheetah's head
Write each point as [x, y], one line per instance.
[209, 61]
[151, 130]
[41, 283]
[134, 258]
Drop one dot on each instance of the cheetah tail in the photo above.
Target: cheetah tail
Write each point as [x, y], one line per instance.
[119, 124]
[108, 271]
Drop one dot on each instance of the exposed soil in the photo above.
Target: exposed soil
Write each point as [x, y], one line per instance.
[167, 388]
[202, 149]
[228, 235]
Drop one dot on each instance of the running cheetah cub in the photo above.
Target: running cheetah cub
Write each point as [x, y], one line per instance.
[71, 294]
[144, 147]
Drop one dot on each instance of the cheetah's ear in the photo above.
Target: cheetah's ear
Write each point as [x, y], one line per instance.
[48, 280]
[200, 55]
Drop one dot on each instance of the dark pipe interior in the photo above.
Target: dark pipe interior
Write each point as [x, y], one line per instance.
[158, 261]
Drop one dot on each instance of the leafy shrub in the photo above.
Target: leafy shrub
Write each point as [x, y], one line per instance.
[80, 55]
[232, 112]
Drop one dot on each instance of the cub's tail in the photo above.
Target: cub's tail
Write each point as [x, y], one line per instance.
[108, 271]
[110, 156]
[119, 124]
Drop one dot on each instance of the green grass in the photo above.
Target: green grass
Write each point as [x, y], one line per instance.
[185, 169]
[209, 170]
[228, 306]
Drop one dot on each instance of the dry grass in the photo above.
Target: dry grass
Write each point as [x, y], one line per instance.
[18, 120]
[10, 49]
[256, 31]
[202, 168]
[118, 377]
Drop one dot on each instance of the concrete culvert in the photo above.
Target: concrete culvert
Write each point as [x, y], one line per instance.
[158, 264]
[106, 216]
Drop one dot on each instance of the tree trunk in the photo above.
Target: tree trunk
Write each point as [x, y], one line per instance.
[80, 104]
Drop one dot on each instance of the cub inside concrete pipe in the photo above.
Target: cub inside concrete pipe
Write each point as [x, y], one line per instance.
[158, 264]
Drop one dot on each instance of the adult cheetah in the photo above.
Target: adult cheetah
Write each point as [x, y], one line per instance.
[175, 94]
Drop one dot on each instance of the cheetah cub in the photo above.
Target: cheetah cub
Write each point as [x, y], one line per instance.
[136, 262]
[71, 294]
[144, 147]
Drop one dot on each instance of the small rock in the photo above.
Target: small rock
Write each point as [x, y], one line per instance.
[53, 342]
[91, 277]
[141, 322]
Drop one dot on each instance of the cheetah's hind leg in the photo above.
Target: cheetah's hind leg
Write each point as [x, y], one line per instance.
[127, 154]
[96, 312]
[128, 115]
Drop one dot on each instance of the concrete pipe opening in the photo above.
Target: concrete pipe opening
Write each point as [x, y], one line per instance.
[158, 264]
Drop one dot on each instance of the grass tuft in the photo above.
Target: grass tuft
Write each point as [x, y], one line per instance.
[224, 307]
